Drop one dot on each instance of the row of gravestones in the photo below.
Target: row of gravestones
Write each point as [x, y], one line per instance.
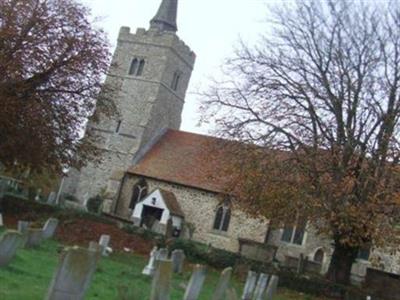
[24, 237]
[161, 268]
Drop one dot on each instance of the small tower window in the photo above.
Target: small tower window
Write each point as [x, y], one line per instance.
[118, 126]
[137, 66]
[222, 217]
[175, 80]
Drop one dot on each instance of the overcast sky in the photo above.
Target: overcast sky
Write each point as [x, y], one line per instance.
[210, 27]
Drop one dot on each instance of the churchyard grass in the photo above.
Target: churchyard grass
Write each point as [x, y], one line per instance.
[117, 277]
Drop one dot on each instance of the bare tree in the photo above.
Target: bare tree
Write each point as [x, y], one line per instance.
[52, 65]
[322, 93]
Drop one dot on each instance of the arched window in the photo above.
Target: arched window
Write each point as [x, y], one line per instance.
[319, 256]
[137, 66]
[139, 191]
[222, 217]
[134, 67]
[141, 67]
[175, 80]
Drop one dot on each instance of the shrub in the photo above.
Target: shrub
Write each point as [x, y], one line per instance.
[201, 253]
[94, 204]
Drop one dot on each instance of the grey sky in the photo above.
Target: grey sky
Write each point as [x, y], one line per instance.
[209, 27]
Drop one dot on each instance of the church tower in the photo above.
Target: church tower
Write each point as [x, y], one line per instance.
[151, 70]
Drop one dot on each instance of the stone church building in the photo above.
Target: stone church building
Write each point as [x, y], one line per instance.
[158, 177]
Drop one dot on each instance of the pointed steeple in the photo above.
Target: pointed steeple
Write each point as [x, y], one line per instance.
[165, 19]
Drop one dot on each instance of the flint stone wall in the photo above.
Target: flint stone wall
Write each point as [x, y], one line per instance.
[199, 208]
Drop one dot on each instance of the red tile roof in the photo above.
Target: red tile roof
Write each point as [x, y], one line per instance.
[186, 158]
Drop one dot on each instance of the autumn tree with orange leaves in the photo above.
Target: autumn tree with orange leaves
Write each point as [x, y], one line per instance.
[320, 97]
[53, 61]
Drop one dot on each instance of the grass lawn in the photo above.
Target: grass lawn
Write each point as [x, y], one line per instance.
[117, 277]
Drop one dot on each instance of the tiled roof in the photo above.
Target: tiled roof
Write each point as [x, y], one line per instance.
[172, 203]
[185, 158]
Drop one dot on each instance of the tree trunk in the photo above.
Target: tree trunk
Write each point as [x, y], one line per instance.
[343, 258]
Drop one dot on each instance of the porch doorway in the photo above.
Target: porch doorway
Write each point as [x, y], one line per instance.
[150, 215]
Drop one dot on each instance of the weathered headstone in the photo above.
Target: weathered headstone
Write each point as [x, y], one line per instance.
[1, 220]
[196, 283]
[178, 258]
[151, 266]
[94, 246]
[50, 228]
[231, 294]
[272, 287]
[34, 238]
[51, 199]
[23, 226]
[160, 289]
[261, 286]
[9, 243]
[222, 286]
[73, 274]
[103, 242]
[23, 229]
[249, 286]
[162, 254]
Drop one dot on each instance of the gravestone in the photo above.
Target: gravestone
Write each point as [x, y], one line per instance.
[178, 258]
[162, 254]
[94, 246]
[272, 287]
[196, 283]
[9, 243]
[1, 220]
[50, 228]
[160, 289]
[23, 226]
[103, 242]
[222, 286]
[249, 286]
[151, 266]
[51, 199]
[23, 229]
[34, 237]
[231, 294]
[73, 275]
[261, 286]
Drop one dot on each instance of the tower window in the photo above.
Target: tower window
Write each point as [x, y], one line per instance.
[175, 80]
[137, 66]
[222, 217]
[118, 126]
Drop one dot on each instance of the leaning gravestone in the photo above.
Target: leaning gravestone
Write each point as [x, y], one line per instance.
[52, 198]
[272, 287]
[262, 282]
[23, 229]
[34, 237]
[50, 228]
[196, 283]
[1, 220]
[151, 266]
[23, 226]
[162, 254]
[9, 243]
[74, 274]
[178, 258]
[222, 286]
[249, 286]
[161, 286]
[103, 242]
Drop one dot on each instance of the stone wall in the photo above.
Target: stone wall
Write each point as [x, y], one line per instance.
[199, 208]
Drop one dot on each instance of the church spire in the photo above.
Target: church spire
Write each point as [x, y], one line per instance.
[165, 19]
